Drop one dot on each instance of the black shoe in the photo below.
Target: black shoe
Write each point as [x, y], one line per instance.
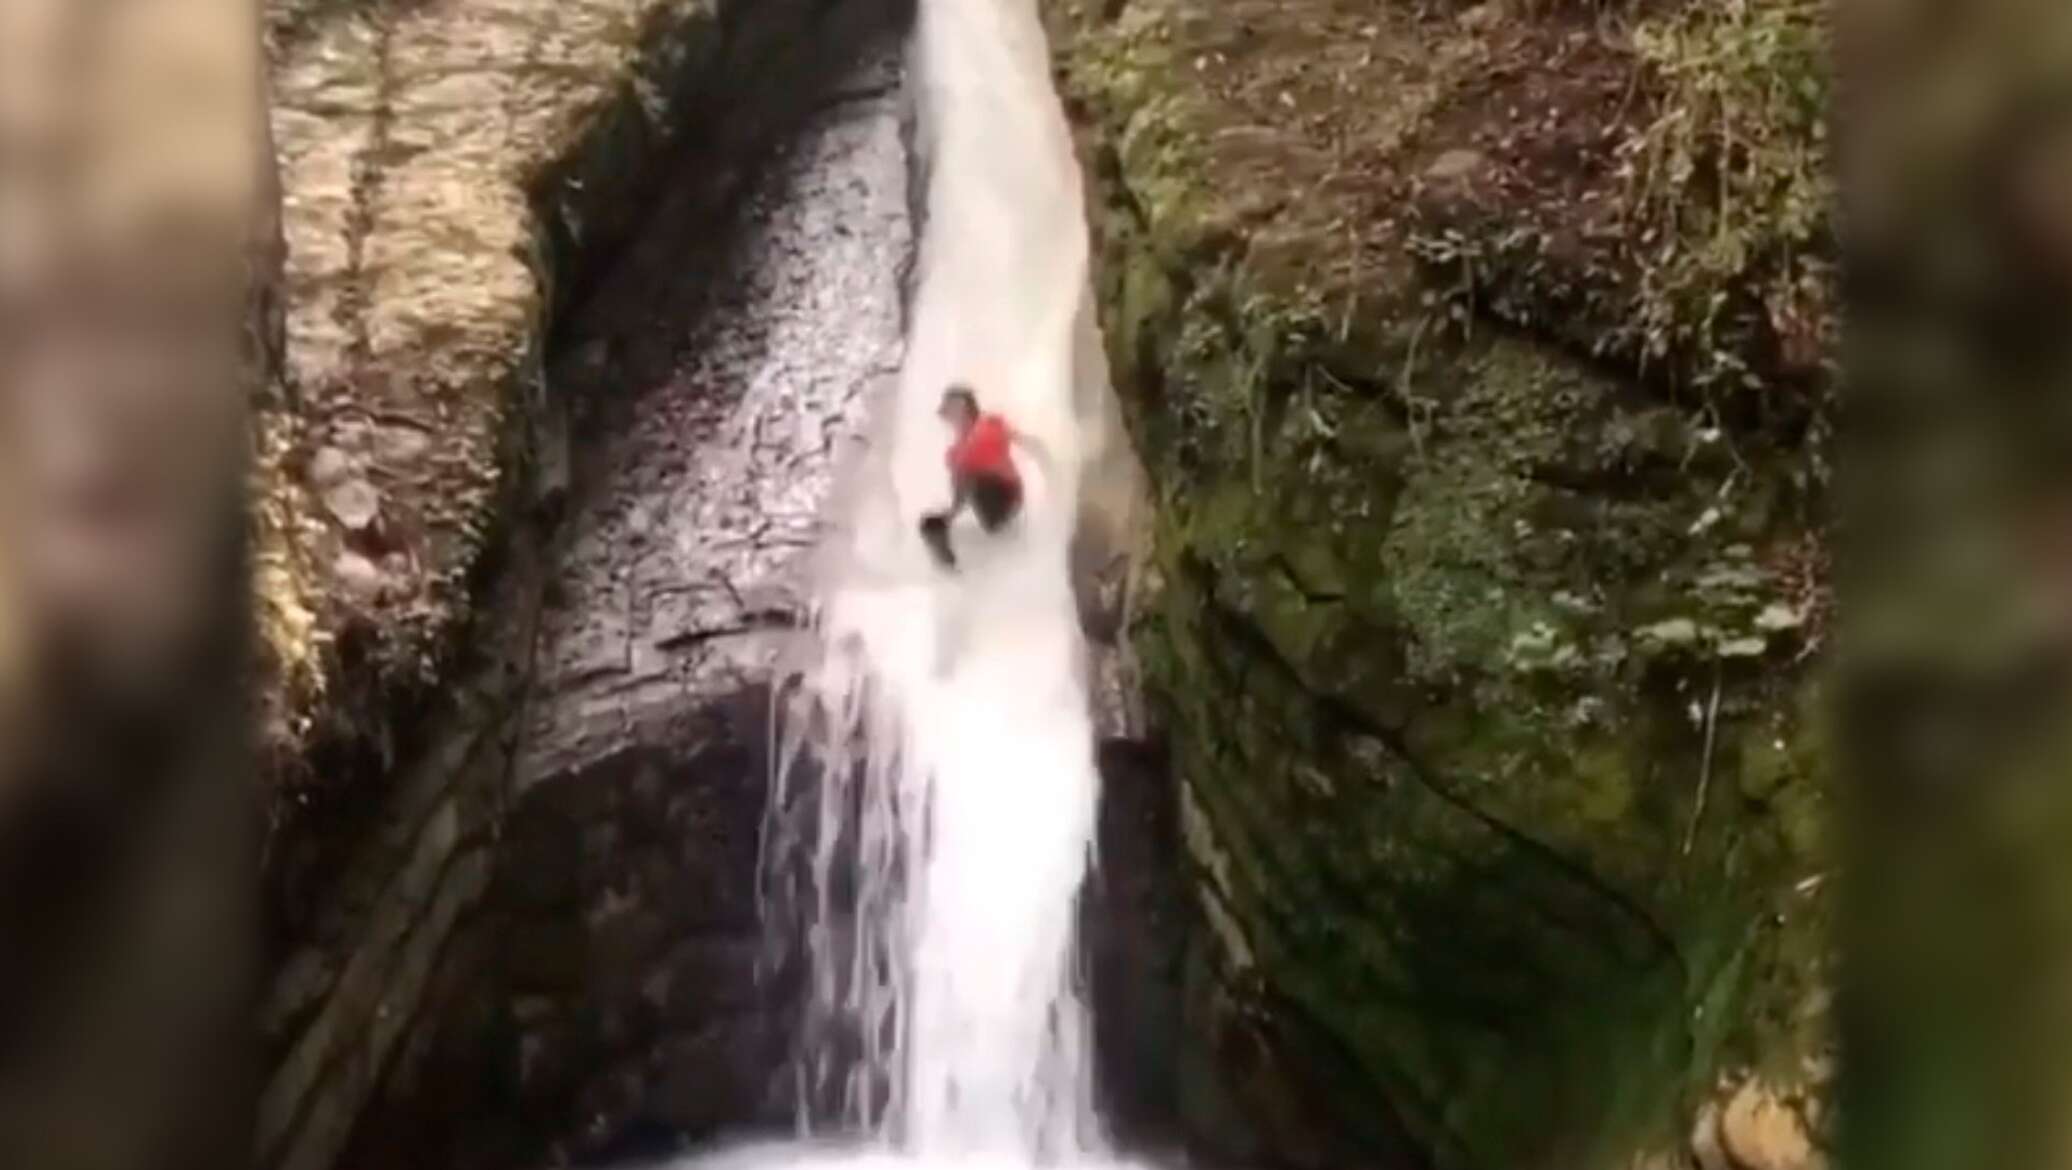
[935, 533]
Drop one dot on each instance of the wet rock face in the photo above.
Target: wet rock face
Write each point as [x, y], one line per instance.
[542, 943]
[734, 375]
[1134, 925]
[627, 950]
[701, 476]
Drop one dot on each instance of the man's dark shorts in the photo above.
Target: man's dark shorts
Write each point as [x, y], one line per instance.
[994, 500]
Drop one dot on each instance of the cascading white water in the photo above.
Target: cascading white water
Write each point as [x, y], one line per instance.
[946, 715]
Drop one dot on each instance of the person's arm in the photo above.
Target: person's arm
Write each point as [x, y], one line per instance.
[1036, 450]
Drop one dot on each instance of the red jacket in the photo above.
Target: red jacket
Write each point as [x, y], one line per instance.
[985, 450]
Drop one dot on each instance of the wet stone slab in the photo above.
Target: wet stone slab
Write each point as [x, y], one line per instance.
[701, 478]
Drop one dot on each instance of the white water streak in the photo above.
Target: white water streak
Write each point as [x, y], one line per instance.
[948, 714]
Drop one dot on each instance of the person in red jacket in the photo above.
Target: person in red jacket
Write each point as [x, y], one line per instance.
[982, 471]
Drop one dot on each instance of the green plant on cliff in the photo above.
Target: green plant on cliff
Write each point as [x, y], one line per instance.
[1737, 611]
[1730, 187]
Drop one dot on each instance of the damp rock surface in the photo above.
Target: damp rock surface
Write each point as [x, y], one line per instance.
[705, 470]
[713, 431]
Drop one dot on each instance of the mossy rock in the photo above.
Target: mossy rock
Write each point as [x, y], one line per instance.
[1486, 665]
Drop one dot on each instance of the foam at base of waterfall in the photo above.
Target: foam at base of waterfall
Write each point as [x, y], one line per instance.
[834, 1156]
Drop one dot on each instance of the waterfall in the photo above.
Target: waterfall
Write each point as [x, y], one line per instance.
[941, 730]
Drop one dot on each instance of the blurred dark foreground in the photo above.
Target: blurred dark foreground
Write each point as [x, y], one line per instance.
[135, 243]
[1957, 525]
[137, 250]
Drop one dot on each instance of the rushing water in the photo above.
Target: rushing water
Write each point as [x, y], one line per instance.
[945, 718]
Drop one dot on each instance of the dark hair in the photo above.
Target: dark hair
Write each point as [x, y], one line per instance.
[962, 394]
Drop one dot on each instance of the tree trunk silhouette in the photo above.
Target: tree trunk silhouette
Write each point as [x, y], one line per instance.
[138, 242]
[1957, 664]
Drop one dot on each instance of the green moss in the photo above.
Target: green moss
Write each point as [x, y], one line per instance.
[1463, 861]
[1411, 640]
[1484, 988]
[1766, 763]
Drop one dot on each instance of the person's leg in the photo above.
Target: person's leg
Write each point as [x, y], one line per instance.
[935, 533]
[935, 527]
[995, 500]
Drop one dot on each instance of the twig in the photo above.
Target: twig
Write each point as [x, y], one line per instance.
[1404, 390]
[1256, 418]
[1352, 294]
[1705, 768]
